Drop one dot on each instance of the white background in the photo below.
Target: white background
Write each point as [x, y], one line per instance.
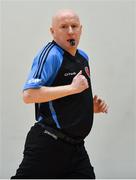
[108, 38]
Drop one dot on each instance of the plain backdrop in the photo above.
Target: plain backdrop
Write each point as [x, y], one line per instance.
[109, 40]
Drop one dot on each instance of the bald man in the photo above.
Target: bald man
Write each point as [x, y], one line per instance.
[60, 87]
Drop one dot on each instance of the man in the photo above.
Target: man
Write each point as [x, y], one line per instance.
[59, 85]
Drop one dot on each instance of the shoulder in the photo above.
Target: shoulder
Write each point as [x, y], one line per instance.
[82, 53]
[55, 56]
[49, 52]
[56, 52]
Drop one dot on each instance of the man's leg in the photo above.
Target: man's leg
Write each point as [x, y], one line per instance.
[82, 168]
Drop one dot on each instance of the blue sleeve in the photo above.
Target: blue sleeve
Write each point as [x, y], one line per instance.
[43, 71]
[83, 54]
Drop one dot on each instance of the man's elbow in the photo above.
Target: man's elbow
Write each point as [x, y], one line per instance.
[27, 97]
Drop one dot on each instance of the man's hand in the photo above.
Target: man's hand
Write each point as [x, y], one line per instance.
[79, 83]
[99, 105]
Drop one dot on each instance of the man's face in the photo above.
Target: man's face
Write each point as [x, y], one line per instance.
[66, 27]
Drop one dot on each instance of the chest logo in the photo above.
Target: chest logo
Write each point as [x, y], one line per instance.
[87, 71]
[70, 74]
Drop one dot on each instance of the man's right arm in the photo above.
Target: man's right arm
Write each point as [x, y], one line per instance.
[45, 94]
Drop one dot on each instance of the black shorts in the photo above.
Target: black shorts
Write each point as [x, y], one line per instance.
[48, 158]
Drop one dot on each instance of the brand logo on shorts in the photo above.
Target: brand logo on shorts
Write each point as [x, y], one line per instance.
[50, 134]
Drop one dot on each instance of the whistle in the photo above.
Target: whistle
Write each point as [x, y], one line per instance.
[72, 42]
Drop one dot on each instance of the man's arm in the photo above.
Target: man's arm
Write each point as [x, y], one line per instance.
[45, 94]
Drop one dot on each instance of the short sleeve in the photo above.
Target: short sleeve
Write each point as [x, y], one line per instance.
[44, 69]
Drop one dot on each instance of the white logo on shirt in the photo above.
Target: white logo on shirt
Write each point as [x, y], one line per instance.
[70, 74]
[34, 81]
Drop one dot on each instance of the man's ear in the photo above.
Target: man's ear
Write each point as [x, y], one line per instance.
[51, 30]
[81, 28]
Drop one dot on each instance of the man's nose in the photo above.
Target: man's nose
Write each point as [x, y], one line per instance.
[70, 30]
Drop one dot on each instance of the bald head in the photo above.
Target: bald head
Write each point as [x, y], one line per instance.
[63, 14]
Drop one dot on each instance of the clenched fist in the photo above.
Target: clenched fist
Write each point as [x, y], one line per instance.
[79, 83]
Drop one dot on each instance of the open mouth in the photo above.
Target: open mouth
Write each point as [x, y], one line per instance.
[72, 42]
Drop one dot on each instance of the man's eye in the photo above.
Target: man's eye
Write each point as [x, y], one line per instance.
[64, 26]
[74, 26]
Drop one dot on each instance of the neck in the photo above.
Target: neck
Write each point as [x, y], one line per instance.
[71, 50]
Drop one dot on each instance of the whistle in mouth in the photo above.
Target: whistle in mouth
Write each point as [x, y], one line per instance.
[72, 42]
